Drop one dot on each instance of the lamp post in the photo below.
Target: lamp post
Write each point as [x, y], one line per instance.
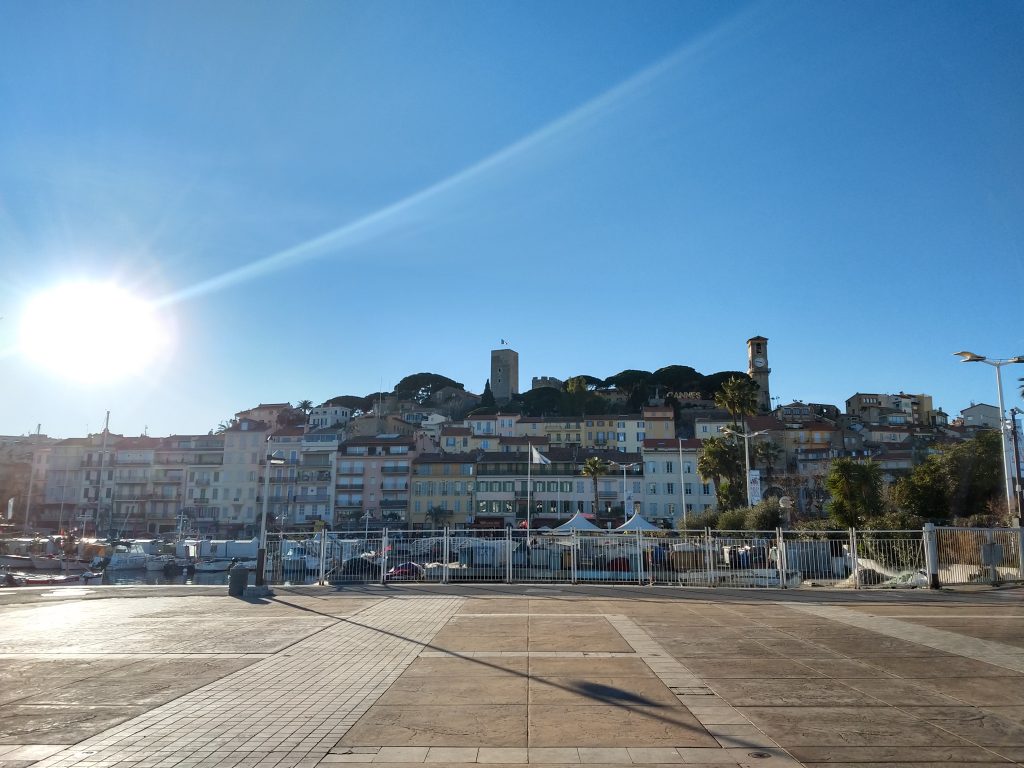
[746, 449]
[970, 357]
[272, 459]
[625, 514]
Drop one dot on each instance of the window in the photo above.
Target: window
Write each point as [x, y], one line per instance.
[688, 489]
[621, 437]
[636, 486]
[668, 467]
[652, 489]
[705, 489]
[579, 486]
[652, 508]
[670, 488]
[703, 427]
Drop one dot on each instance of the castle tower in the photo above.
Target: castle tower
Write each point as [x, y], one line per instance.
[504, 374]
[758, 370]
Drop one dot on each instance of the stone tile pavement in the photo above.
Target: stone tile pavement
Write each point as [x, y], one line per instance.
[499, 677]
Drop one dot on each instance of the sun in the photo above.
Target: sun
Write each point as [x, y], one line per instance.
[92, 332]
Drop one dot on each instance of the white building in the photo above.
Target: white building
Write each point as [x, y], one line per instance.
[670, 475]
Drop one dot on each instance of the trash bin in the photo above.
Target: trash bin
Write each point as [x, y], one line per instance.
[238, 577]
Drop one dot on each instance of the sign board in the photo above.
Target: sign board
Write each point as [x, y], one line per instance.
[754, 483]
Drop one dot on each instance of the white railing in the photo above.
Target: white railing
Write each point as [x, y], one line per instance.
[779, 559]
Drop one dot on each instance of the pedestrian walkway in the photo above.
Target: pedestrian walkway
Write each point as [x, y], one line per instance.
[289, 709]
[404, 676]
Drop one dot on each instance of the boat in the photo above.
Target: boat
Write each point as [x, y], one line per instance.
[16, 579]
[162, 562]
[50, 563]
[16, 561]
[219, 566]
[126, 557]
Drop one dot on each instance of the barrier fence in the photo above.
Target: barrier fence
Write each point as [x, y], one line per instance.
[787, 559]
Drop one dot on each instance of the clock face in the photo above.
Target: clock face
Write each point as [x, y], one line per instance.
[759, 362]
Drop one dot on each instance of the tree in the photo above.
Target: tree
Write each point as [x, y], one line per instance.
[224, 426]
[487, 398]
[305, 406]
[545, 401]
[578, 392]
[720, 461]
[767, 452]
[439, 516]
[856, 491]
[593, 468]
[957, 482]
[634, 383]
[420, 386]
[738, 396]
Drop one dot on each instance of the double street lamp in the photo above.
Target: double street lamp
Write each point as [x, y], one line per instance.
[625, 513]
[746, 449]
[272, 459]
[971, 357]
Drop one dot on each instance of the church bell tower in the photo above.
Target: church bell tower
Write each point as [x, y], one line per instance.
[758, 370]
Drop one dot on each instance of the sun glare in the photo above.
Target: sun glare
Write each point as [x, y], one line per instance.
[92, 332]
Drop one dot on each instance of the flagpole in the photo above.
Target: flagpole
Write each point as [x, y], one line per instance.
[682, 481]
[529, 484]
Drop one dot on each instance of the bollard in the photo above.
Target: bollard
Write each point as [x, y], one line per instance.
[931, 555]
[238, 577]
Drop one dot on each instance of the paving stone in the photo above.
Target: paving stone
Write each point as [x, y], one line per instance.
[593, 690]
[509, 755]
[654, 755]
[561, 755]
[452, 755]
[401, 755]
[872, 754]
[614, 726]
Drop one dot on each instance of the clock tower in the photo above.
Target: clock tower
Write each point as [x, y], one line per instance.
[758, 370]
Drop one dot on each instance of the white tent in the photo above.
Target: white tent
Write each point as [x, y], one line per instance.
[576, 523]
[637, 523]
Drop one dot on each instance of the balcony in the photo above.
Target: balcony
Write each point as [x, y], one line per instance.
[349, 488]
[394, 504]
[394, 470]
[208, 460]
[344, 470]
[282, 480]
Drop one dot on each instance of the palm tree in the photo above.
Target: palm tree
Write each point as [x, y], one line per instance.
[720, 461]
[439, 516]
[305, 406]
[738, 396]
[593, 468]
[767, 452]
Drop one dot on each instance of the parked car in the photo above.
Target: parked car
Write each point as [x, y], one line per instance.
[407, 571]
[358, 568]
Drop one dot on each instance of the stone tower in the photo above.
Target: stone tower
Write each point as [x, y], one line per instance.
[758, 370]
[504, 374]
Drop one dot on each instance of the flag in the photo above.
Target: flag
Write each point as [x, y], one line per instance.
[10, 508]
[536, 457]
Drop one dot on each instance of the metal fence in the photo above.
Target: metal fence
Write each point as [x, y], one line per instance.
[977, 555]
[787, 559]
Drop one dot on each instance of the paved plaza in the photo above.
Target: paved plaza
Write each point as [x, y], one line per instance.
[158, 677]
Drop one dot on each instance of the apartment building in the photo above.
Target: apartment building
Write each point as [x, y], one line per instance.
[442, 481]
[670, 480]
[372, 480]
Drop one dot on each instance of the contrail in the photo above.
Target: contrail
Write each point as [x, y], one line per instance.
[385, 219]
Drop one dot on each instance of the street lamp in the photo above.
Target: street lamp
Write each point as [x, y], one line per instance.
[970, 357]
[625, 514]
[746, 449]
[272, 459]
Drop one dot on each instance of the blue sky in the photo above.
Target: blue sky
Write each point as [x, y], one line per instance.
[324, 197]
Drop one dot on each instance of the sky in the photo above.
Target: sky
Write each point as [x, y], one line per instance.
[319, 198]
